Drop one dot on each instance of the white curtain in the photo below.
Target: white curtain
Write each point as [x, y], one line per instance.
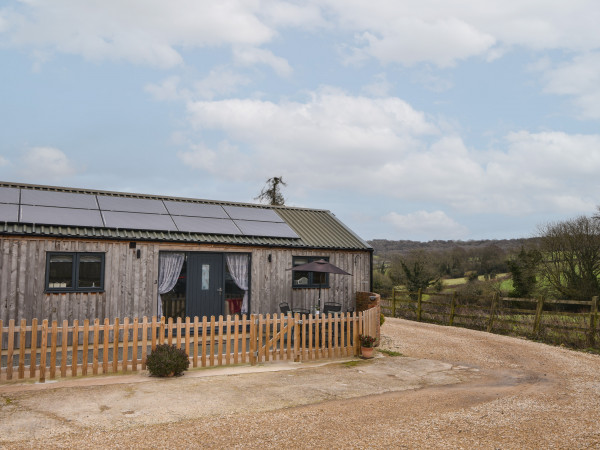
[238, 268]
[169, 268]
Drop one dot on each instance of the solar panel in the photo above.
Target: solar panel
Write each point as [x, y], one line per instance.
[9, 213]
[206, 225]
[61, 216]
[269, 229]
[138, 221]
[195, 209]
[9, 195]
[246, 213]
[133, 205]
[60, 199]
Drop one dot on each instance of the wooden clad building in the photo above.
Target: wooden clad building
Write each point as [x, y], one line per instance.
[80, 254]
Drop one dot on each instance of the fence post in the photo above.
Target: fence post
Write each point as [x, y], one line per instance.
[296, 337]
[452, 309]
[593, 322]
[161, 331]
[492, 312]
[252, 340]
[538, 316]
[393, 302]
[43, 350]
[419, 299]
[10, 350]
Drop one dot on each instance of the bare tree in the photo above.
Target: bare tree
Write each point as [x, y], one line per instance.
[415, 271]
[570, 260]
[271, 193]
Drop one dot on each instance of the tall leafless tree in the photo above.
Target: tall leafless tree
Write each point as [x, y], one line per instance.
[571, 256]
[271, 193]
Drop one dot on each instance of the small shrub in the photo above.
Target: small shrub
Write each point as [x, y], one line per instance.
[166, 360]
[381, 319]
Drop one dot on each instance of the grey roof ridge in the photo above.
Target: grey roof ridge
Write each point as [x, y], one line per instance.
[150, 196]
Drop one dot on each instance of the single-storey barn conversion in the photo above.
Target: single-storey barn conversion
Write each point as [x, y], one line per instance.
[70, 254]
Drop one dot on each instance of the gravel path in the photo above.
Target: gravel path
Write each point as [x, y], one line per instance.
[455, 388]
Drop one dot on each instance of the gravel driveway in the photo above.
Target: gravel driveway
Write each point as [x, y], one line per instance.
[454, 388]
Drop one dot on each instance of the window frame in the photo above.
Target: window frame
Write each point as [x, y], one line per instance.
[311, 284]
[75, 272]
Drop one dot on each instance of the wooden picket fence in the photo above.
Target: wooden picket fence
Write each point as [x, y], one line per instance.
[47, 350]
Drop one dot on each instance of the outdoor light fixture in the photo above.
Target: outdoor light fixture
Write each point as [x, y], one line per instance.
[269, 258]
[139, 254]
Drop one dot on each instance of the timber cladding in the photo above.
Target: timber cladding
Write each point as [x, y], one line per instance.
[130, 283]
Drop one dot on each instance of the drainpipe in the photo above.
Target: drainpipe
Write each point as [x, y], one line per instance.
[371, 270]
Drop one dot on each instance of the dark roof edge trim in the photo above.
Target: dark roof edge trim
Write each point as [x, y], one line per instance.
[154, 241]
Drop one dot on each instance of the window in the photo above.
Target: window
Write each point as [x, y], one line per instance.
[309, 279]
[79, 272]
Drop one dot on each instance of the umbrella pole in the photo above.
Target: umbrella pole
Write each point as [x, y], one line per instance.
[320, 309]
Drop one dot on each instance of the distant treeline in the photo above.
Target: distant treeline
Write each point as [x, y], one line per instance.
[385, 247]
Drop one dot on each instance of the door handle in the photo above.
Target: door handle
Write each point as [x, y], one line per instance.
[220, 290]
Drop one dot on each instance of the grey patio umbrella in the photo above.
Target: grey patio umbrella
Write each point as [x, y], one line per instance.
[319, 266]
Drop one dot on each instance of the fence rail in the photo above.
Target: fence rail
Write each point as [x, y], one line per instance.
[47, 350]
[572, 322]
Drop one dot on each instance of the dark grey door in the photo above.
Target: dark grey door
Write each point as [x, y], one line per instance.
[205, 284]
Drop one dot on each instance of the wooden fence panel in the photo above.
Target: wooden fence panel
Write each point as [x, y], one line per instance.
[554, 321]
[84, 349]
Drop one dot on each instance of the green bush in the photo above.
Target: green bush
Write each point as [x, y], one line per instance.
[167, 360]
[381, 319]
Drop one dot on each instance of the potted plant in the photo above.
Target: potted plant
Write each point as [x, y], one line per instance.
[366, 345]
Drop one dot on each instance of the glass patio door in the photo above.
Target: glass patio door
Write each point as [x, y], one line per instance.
[204, 285]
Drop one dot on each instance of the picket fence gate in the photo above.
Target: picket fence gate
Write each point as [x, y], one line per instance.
[47, 350]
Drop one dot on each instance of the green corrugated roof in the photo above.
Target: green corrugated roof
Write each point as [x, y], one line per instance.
[315, 228]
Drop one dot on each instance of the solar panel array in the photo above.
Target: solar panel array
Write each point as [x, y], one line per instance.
[105, 211]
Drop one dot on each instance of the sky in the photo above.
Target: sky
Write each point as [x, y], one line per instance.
[413, 119]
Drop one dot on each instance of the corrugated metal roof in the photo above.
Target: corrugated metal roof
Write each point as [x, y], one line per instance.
[315, 228]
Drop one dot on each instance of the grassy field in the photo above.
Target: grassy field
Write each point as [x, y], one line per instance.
[504, 279]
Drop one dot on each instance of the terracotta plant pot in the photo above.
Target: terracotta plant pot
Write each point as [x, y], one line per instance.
[366, 352]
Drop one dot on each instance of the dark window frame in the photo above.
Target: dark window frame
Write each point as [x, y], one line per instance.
[311, 281]
[75, 272]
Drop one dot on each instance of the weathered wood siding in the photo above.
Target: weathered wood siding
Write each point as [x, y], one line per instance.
[272, 282]
[131, 283]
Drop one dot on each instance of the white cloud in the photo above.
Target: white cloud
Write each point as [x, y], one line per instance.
[337, 141]
[443, 33]
[285, 14]
[46, 163]
[3, 161]
[144, 32]
[168, 89]
[331, 130]
[250, 56]
[380, 86]
[535, 172]
[424, 225]
[226, 158]
[579, 78]
[220, 81]
[413, 40]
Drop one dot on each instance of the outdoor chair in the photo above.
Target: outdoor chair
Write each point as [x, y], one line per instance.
[284, 308]
[332, 308]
